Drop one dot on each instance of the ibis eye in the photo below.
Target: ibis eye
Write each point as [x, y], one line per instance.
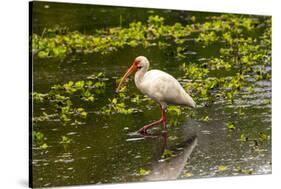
[139, 67]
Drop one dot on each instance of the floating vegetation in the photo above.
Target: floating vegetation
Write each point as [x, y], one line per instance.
[241, 53]
[58, 42]
[230, 125]
[243, 138]
[143, 172]
[60, 100]
[116, 106]
[221, 168]
[39, 139]
[174, 112]
[245, 171]
[187, 174]
[167, 154]
[263, 136]
[65, 140]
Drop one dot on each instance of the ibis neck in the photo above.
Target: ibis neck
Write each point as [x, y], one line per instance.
[139, 76]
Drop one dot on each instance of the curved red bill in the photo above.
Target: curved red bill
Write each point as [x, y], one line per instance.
[126, 75]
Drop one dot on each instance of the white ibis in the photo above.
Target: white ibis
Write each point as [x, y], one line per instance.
[158, 85]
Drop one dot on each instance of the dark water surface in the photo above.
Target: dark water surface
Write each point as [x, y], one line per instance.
[106, 149]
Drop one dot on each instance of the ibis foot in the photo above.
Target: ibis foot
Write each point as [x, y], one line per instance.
[142, 131]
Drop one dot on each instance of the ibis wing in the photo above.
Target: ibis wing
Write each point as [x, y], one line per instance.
[163, 87]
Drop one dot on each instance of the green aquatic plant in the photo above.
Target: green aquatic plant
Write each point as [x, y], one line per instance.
[219, 64]
[241, 55]
[205, 119]
[262, 74]
[167, 154]
[245, 171]
[44, 146]
[230, 125]
[152, 33]
[194, 72]
[263, 136]
[143, 172]
[65, 140]
[207, 38]
[116, 106]
[174, 112]
[221, 168]
[38, 97]
[39, 138]
[61, 97]
[188, 174]
[243, 138]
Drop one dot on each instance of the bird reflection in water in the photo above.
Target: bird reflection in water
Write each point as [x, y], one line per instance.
[172, 167]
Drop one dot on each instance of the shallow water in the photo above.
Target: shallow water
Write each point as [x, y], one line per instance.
[106, 149]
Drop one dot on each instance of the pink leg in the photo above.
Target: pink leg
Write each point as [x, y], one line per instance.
[161, 120]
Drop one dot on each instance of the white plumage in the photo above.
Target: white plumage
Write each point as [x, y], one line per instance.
[158, 85]
[163, 88]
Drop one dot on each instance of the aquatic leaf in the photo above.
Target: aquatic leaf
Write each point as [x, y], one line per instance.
[43, 146]
[43, 54]
[79, 84]
[80, 109]
[65, 140]
[84, 114]
[114, 101]
[38, 97]
[174, 110]
[65, 118]
[222, 167]
[91, 98]
[263, 136]
[136, 99]
[206, 118]
[230, 125]
[245, 171]
[37, 136]
[187, 174]
[243, 138]
[143, 172]
[167, 154]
